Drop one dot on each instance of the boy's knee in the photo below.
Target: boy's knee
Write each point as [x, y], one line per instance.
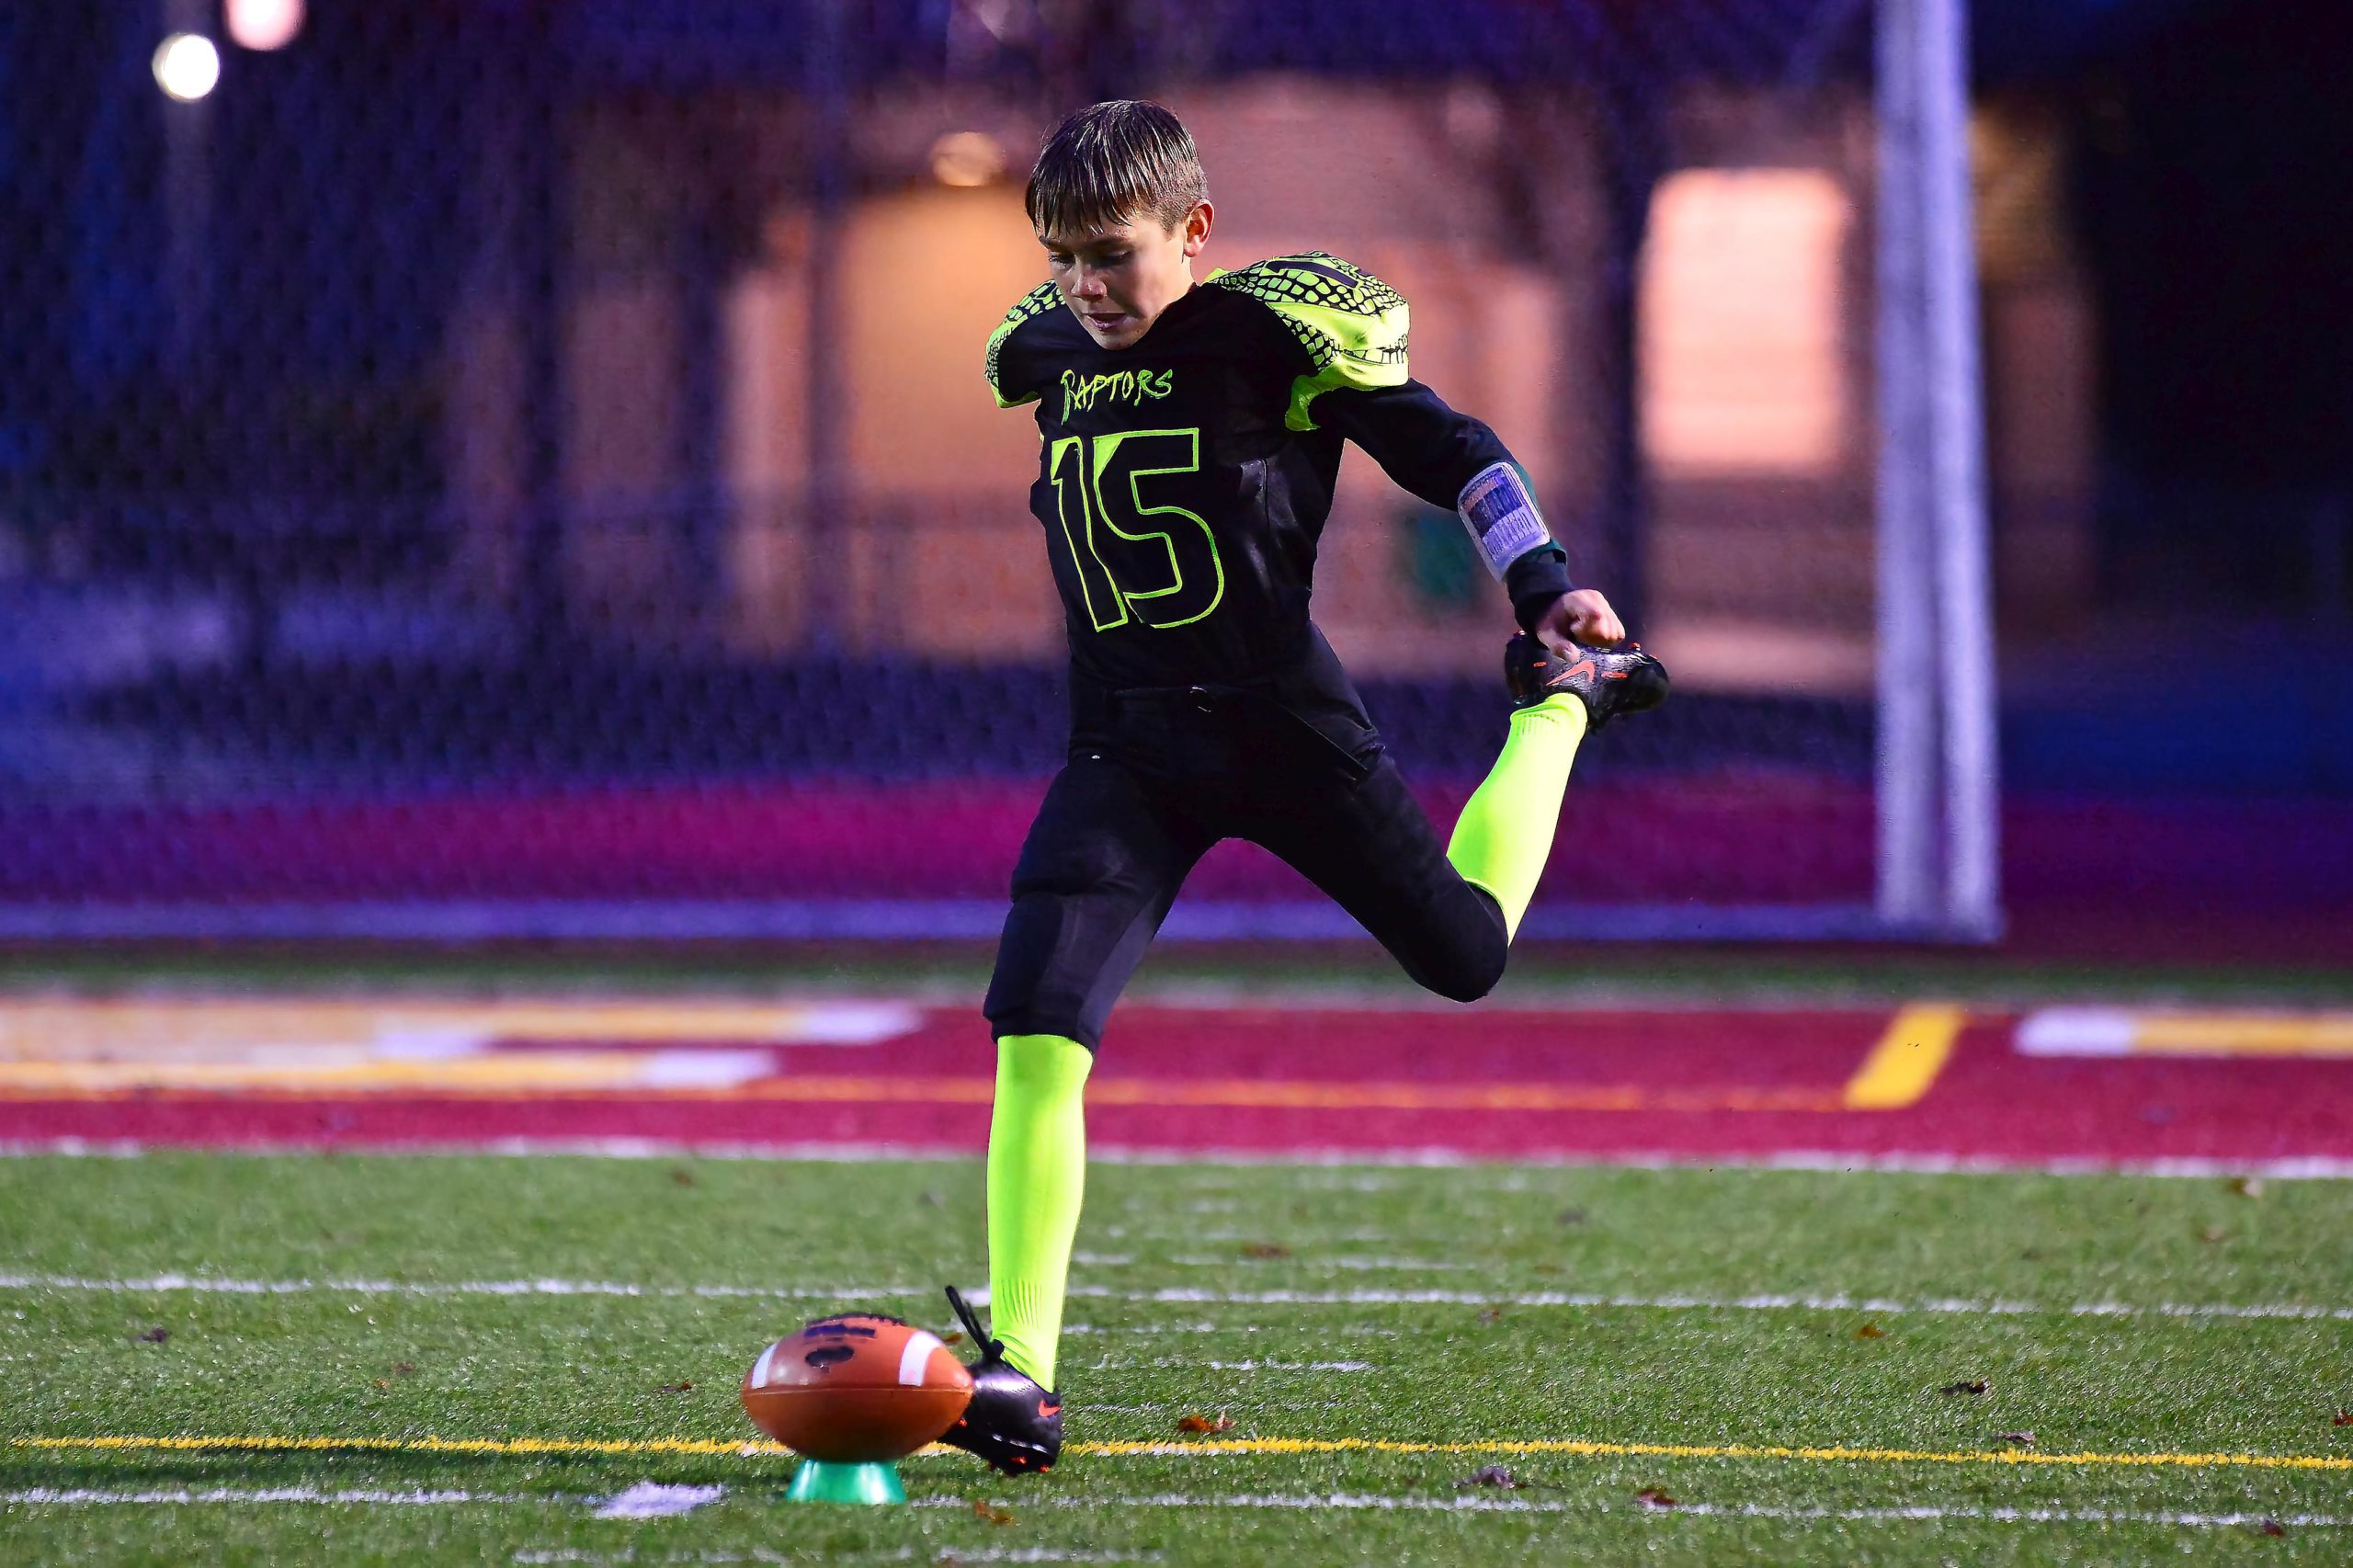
[1467, 984]
[1468, 971]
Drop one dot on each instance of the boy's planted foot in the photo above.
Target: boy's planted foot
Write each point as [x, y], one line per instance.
[1609, 681]
[1013, 1423]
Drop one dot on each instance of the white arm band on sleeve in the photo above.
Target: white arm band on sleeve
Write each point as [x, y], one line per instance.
[1500, 512]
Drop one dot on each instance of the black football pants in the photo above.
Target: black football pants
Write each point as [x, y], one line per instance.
[1124, 823]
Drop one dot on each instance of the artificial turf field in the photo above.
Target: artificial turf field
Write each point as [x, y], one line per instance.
[453, 1329]
[359, 1352]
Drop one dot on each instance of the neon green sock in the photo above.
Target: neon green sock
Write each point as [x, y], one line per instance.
[1037, 1178]
[1504, 833]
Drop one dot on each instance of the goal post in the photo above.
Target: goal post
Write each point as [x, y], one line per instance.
[1938, 842]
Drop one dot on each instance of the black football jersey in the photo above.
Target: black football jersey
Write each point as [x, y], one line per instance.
[1184, 482]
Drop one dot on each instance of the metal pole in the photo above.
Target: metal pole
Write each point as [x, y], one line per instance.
[1964, 612]
[1906, 599]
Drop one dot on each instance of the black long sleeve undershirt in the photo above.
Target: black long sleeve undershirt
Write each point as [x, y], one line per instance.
[1432, 451]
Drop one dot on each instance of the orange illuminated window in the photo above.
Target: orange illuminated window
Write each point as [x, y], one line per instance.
[1739, 322]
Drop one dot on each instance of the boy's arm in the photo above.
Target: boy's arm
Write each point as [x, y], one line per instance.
[1448, 460]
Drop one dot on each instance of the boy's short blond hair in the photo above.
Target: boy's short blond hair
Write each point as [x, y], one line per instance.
[1111, 163]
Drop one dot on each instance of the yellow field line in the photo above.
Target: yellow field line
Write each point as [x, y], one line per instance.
[1907, 1060]
[2243, 1034]
[1573, 1447]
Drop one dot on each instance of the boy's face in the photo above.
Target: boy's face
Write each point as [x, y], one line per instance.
[1118, 280]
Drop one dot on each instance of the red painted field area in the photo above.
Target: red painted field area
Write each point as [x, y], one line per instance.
[1925, 1082]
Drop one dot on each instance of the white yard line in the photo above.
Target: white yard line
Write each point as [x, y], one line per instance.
[1307, 1259]
[1354, 1331]
[42, 1495]
[678, 1499]
[2313, 1167]
[208, 1284]
[1189, 1296]
[1762, 1303]
[879, 1554]
[1483, 1503]
[1172, 1363]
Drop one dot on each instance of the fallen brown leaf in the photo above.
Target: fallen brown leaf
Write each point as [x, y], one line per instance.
[1974, 1385]
[2021, 1439]
[1265, 1249]
[2272, 1527]
[404, 1369]
[1870, 1331]
[982, 1509]
[1492, 1475]
[155, 1336]
[1654, 1497]
[1201, 1423]
[2344, 1417]
[680, 1387]
[683, 1179]
[1491, 1314]
[953, 1336]
[381, 1383]
[2247, 1186]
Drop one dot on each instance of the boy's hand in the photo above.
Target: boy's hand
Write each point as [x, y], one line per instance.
[1582, 615]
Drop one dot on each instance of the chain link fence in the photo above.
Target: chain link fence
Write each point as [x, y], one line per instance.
[522, 466]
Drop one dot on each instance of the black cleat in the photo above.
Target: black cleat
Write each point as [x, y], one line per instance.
[1012, 1423]
[1609, 681]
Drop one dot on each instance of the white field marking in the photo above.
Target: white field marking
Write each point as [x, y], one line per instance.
[915, 1356]
[1336, 1500]
[207, 1284]
[36, 1495]
[879, 1554]
[652, 1500]
[1362, 1265]
[2310, 1168]
[1352, 1330]
[1955, 1306]
[2013, 1515]
[1263, 1365]
[1191, 1296]
[1478, 1504]
[1323, 1238]
[1115, 1364]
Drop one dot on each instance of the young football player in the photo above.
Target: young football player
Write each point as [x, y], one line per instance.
[1190, 432]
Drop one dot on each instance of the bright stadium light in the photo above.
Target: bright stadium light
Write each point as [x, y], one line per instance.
[966, 158]
[263, 24]
[188, 66]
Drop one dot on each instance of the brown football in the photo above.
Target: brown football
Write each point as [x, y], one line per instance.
[856, 1389]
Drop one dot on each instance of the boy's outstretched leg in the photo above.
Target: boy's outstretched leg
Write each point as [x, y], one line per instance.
[1504, 833]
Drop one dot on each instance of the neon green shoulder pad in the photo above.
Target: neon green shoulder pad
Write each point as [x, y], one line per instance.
[1351, 324]
[1036, 302]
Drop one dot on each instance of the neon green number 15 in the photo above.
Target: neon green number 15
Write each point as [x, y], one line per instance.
[1161, 575]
